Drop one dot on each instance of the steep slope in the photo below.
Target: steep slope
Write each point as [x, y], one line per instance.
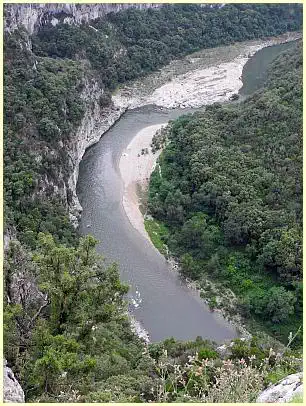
[34, 16]
[229, 188]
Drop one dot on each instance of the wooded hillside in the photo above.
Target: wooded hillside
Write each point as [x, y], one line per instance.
[230, 191]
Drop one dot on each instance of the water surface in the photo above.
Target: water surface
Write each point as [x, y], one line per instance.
[255, 70]
[160, 300]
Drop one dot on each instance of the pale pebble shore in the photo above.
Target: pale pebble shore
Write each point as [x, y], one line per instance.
[135, 169]
[138, 329]
[208, 76]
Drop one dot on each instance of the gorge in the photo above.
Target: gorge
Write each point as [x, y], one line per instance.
[74, 74]
[155, 290]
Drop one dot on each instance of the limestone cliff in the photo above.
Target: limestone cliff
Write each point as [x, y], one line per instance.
[96, 121]
[32, 16]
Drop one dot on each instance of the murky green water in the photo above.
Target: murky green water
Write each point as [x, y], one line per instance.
[255, 70]
[160, 301]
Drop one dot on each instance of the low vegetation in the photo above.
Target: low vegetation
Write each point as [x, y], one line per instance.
[158, 233]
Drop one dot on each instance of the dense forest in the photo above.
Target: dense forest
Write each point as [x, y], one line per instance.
[229, 189]
[67, 336]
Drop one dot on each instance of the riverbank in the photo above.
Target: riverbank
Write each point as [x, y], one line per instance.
[223, 302]
[202, 78]
[136, 164]
[139, 269]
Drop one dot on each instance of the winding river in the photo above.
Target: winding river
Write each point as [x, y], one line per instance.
[160, 301]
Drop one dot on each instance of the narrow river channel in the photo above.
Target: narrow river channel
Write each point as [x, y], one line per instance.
[160, 301]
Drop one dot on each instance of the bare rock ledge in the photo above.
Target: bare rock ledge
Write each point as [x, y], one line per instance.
[283, 391]
[12, 391]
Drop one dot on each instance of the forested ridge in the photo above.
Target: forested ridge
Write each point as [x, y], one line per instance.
[229, 188]
[61, 346]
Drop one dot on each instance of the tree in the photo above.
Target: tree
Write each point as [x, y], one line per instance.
[48, 129]
[280, 304]
[81, 291]
[200, 237]
[55, 302]
[188, 266]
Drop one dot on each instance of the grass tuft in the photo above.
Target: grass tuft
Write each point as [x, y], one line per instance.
[158, 234]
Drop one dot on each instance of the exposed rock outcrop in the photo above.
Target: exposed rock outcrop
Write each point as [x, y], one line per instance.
[12, 391]
[33, 16]
[283, 391]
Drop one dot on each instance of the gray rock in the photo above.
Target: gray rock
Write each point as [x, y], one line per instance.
[33, 16]
[283, 391]
[12, 391]
[223, 350]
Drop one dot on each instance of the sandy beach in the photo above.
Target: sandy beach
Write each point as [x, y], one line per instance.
[136, 164]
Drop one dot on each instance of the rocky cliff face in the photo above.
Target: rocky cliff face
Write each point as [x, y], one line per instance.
[12, 391]
[96, 121]
[32, 16]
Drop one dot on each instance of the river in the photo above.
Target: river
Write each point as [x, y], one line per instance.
[159, 299]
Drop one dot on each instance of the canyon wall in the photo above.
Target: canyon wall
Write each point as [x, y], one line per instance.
[33, 16]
